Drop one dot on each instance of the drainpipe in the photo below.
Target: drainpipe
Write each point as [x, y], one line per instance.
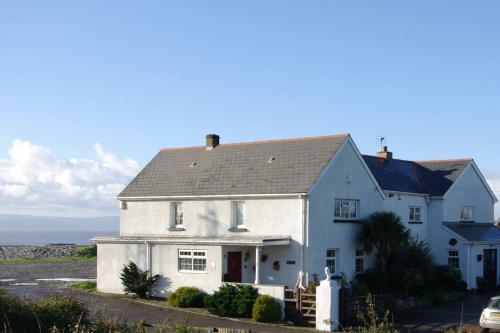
[305, 204]
[257, 264]
[428, 202]
[148, 257]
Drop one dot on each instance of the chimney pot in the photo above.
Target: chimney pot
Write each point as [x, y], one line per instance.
[385, 153]
[212, 141]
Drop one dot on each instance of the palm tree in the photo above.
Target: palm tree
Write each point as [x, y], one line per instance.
[385, 232]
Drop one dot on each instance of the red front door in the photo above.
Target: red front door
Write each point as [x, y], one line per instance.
[233, 267]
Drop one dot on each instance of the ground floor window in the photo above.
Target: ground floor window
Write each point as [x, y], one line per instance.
[192, 261]
[360, 262]
[453, 259]
[331, 260]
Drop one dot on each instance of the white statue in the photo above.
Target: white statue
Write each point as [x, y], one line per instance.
[327, 273]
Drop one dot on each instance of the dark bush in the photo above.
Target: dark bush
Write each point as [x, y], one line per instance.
[187, 297]
[232, 301]
[266, 309]
[244, 301]
[136, 281]
[374, 278]
[358, 288]
[61, 311]
[447, 278]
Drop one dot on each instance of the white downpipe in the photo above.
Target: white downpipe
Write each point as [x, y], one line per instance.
[148, 257]
[257, 264]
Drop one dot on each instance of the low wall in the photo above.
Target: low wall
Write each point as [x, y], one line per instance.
[49, 251]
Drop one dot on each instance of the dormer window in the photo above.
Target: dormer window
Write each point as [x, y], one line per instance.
[239, 214]
[177, 215]
[466, 213]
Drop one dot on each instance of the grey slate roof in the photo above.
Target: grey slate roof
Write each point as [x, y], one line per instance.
[231, 169]
[475, 232]
[424, 177]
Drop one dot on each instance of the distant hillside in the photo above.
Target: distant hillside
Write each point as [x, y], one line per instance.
[11, 222]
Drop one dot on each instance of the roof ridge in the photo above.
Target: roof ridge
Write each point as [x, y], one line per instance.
[445, 160]
[306, 138]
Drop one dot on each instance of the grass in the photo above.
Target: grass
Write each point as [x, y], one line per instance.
[85, 285]
[83, 253]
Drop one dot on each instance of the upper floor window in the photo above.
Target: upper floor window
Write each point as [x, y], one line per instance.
[177, 214]
[360, 260]
[239, 214]
[466, 213]
[346, 209]
[331, 260]
[453, 259]
[415, 214]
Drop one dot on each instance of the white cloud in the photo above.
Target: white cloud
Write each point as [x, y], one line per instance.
[33, 181]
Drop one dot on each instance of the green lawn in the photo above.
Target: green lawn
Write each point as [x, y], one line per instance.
[85, 285]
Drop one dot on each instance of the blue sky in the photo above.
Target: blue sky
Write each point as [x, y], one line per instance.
[135, 76]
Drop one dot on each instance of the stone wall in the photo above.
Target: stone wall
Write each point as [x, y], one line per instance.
[49, 251]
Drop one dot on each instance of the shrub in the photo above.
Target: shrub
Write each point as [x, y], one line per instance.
[232, 301]
[374, 278]
[187, 297]
[15, 315]
[137, 282]
[61, 311]
[244, 301]
[87, 251]
[358, 288]
[266, 309]
[448, 278]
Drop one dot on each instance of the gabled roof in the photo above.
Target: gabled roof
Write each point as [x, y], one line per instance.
[475, 232]
[424, 177]
[262, 167]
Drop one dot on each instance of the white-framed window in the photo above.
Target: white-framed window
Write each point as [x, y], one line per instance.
[177, 215]
[193, 261]
[466, 213]
[331, 260]
[454, 258]
[415, 214]
[239, 214]
[360, 261]
[346, 209]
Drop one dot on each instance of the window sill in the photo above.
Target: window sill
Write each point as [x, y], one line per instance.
[415, 222]
[238, 229]
[347, 221]
[176, 229]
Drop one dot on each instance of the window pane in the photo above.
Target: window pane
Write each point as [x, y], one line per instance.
[359, 265]
[239, 213]
[330, 253]
[330, 263]
[337, 208]
[199, 265]
[179, 216]
[185, 264]
[412, 214]
[359, 252]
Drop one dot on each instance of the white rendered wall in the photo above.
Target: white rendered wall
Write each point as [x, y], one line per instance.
[205, 218]
[110, 261]
[400, 204]
[345, 178]
[469, 190]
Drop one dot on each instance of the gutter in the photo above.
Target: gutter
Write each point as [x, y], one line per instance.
[221, 196]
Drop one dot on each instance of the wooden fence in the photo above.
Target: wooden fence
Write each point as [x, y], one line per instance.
[300, 307]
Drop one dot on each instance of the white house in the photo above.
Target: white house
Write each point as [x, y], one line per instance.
[261, 212]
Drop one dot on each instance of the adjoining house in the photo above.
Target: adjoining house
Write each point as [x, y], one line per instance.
[261, 212]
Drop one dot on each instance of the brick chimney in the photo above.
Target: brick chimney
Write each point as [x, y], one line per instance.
[212, 141]
[385, 153]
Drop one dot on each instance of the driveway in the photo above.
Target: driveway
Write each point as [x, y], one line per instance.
[437, 318]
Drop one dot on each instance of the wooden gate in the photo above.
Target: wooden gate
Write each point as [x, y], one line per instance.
[300, 307]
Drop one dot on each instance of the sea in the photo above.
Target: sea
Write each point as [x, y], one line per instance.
[51, 237]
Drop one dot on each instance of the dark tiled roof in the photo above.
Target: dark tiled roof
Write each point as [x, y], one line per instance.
[425, 177]
[231, 169]
[475, 232]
